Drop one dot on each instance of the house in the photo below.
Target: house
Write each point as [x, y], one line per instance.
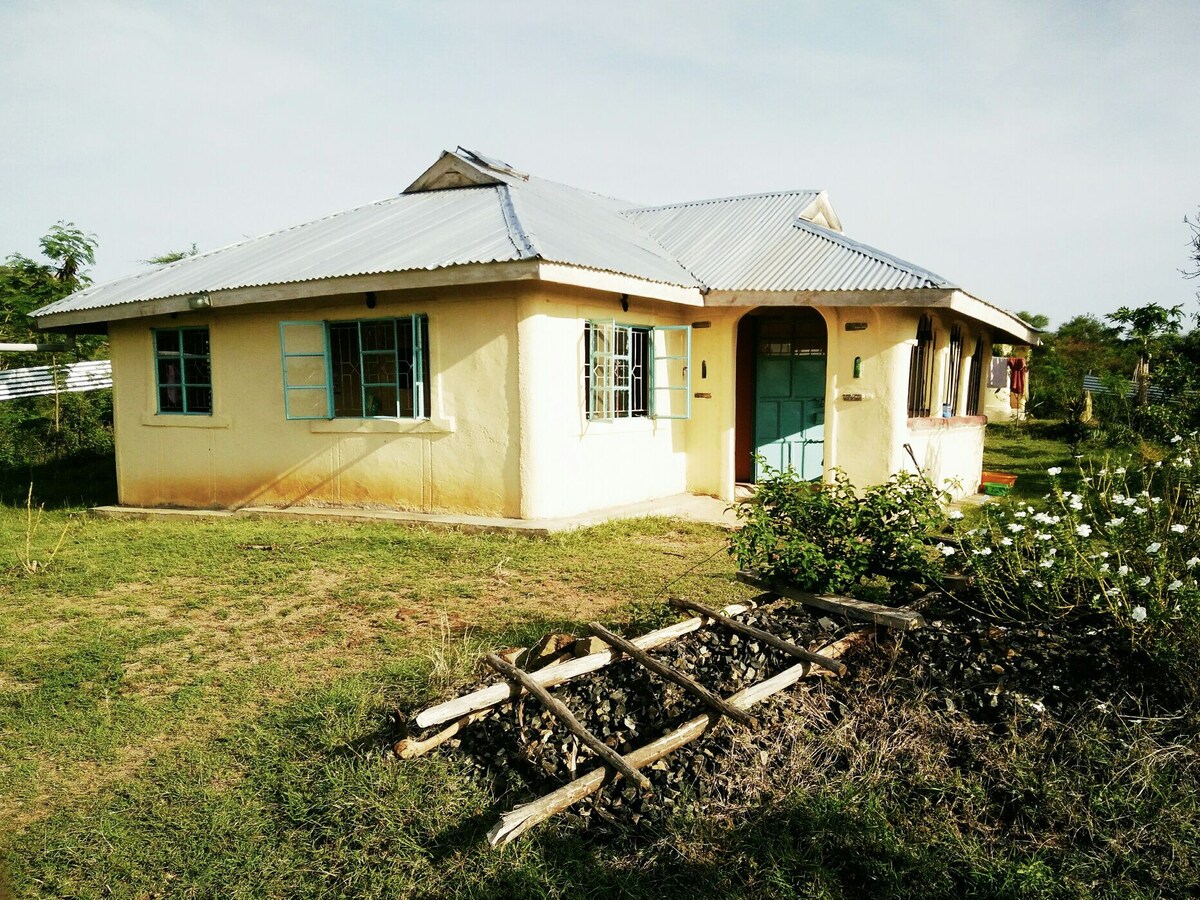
[493, 343]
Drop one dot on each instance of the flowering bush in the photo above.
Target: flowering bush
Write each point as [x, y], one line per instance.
[828, 537]
[1126, 546]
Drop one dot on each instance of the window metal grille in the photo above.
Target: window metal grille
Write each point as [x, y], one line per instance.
[183, 371]
[954, 370]
[975, 379]
[920, 370]
[626, 376]
[367, 368]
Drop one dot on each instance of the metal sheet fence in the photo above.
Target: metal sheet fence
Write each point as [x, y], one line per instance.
[45, 381]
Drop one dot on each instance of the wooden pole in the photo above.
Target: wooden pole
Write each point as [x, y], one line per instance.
[838, 668]
[689, 684]
[517, 821]
[899, 618]
[564, 715]
[411, 749]
[558, 673]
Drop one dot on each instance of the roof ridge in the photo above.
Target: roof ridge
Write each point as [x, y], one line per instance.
[867, 250]
[522, 240]
[683, 203]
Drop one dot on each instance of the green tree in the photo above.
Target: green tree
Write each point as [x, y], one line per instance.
[1145, 327]
[26, 284]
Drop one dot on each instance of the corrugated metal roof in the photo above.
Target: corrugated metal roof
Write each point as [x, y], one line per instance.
[753, 243]
[760, 243]
[412, 231]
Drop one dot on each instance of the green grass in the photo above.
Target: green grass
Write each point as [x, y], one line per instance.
[194, 709]
[1027, 449]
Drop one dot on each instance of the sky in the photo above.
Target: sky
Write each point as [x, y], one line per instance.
[1042, 155]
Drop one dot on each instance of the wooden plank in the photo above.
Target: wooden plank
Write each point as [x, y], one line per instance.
[559, 673]
[560, 711]
[899, 618]
[689, 684]
[517, 821]
[411, 749]
[758, 634]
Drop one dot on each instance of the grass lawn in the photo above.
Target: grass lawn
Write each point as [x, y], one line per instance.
[1028, 449]
[195, 709]
[203, 709]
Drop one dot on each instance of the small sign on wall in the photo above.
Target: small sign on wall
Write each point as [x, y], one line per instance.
[849, 398]
[856, 326]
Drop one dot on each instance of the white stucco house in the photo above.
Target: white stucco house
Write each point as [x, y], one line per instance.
[489, 342]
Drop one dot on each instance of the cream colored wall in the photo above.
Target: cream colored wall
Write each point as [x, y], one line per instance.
[710, 432]
[569, 464]
[465, 458]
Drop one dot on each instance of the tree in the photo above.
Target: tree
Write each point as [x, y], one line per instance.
[1144, 327]
[26, 284]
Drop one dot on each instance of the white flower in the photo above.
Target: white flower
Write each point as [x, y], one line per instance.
[956, 514]
[1113, 592]
[1054, 470]
[1076, 504]
[1193, 562]
[1087, 478]
[1177, 439]
[1007, 542]
[1014, 527]
[1130, 501]
[1083, 530]
[1046, 563]
[1103, 567]
[1123, 570]
[1179, 529]
[1118, 498]
[1104, 554]
[1156, 500]
[984, 551]
[1143, 581]
[1053, 551]
[1120, 471]
[1020, 515]
[1154, 548]
[1043, 518]
[945, 550]
[1115, 522]
[1042, 536]
[1139, 510]
[1174, 586]
[1138, 614]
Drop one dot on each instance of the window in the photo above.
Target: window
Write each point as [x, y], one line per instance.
[954, 371]
[920, 370]
[361, 369]
[637, 371]
[975, 378]
[183, 371]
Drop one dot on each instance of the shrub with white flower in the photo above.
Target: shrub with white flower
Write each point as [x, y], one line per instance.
[1123, 545]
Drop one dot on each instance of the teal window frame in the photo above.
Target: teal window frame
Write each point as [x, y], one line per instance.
[185, 385]
[294, 352]
[611, 371]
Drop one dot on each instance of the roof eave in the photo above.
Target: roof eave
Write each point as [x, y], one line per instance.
[447, 276]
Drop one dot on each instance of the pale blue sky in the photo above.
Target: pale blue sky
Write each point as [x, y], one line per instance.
[1041, 155]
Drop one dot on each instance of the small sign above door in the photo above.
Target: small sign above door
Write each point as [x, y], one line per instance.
[856, 326]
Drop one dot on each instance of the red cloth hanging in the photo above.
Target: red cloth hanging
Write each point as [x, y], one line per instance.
[1016, 374]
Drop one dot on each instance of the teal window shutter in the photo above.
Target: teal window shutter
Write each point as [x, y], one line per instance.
[671, 376]
[307, 380]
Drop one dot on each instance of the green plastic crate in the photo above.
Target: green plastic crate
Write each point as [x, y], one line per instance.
[992, 489]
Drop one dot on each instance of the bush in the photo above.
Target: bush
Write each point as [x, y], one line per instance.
[1125, 550]
[828, 537]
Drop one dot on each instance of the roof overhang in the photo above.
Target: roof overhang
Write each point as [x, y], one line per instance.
[449, 276]
[1008, 326]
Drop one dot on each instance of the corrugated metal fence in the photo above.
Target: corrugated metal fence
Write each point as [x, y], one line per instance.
[45, 381]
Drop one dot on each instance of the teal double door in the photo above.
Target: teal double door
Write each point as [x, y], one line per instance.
[789, 413]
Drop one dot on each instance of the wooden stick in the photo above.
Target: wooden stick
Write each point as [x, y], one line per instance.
[899, 618]
[758, 634]
[517, 821]
[691, 685]
[411, 749]
[558, 673]
[564, 715]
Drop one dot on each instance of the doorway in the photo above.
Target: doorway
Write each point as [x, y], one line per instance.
[781, 394]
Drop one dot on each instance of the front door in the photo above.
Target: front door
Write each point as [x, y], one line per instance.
[789, 413]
